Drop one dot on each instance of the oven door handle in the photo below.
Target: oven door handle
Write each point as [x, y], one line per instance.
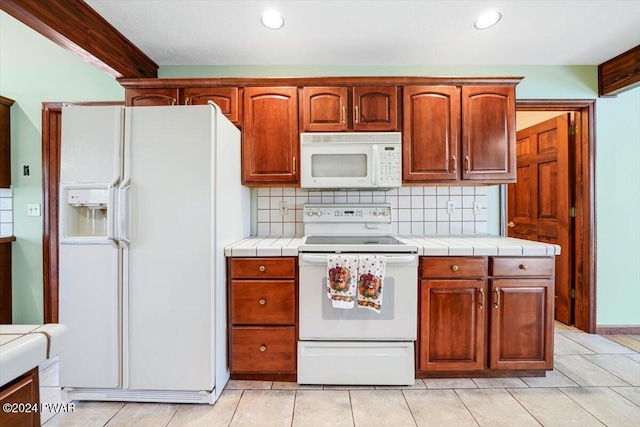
[322, 259]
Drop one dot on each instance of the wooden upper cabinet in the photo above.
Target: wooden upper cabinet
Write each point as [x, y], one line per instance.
[153, 96]
[270, 141]
[375, 108]
[227, 98]
[5, 142]
[324, 109]
[488, 133]
[431, 133]
[340, 109]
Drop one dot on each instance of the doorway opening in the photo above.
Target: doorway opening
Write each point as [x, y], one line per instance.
[554, 198]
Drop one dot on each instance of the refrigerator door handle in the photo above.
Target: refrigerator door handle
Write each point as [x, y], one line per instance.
[111, 209]
[124, 210]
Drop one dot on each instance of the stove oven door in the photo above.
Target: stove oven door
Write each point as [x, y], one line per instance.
[396, 321]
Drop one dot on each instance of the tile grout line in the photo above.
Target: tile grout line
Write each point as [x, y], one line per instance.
[622, 395]
[455, 391]
[409, 407]
[605, 369]
[524, 407]
[586, 409]
[235, 410]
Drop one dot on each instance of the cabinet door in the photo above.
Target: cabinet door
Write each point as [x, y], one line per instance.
[431, 133]
[375, 108]
[23, 390]
[488, 133]
[270, 136]
[224, 97]
[324, 109]
[5, 283]
[152, 96]
[521, 324]
[452, 325]
[5, 141]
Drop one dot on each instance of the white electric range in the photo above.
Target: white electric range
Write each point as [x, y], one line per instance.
[357, 345]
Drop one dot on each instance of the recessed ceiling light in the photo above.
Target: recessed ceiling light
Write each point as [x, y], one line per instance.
[272, 19]
[487, 19]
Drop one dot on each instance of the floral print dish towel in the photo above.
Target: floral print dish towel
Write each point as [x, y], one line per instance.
[342, 271]
[370, 280]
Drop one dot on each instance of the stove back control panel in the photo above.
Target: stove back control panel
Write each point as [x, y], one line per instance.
[347, 213]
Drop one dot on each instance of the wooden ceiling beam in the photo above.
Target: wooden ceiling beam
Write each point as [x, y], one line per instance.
[76, 27]
[620, 73]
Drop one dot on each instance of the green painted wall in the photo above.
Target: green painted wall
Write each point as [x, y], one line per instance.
[33, 70]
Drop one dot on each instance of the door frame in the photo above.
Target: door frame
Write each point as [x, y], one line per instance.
[582, 156]
[50, 184]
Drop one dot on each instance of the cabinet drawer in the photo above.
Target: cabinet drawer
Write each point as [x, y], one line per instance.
[517, 267]
[260, 302]
[271, 350]
[255, 268]
[452, 267]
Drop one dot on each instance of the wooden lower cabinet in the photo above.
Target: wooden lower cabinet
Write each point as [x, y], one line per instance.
[21, 393]
[263, 349]
[452, 325]
[521, 324]
[5, 283]
[263, 317]
[483, 321]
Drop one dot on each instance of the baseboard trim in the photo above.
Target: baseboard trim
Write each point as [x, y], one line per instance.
[618, 330]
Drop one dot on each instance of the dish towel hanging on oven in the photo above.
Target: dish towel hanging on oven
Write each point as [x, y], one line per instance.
[370, 280]
[342, 272]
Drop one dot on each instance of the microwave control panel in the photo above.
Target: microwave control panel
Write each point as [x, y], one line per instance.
[389, 165]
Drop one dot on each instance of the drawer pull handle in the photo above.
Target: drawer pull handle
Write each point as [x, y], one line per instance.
[481, 298]
[496, 304]
[262, 268]
[455, 268]
[263, 348]
[263, 301]
[523, 267]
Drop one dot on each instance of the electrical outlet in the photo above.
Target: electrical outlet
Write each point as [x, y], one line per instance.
[33, 209]
[284, 208]
[451, 207]
[476, 208]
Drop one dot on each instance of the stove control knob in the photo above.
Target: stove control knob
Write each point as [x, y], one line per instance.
[375, 213]
[309, 213]
[385, 213]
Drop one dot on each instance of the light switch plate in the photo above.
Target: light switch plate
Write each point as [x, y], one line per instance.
[476, 208]
[33, 209]
[451, 207]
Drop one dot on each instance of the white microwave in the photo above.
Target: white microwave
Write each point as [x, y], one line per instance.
[362, 160]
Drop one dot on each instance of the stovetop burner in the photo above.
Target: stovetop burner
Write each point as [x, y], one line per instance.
[352, 240]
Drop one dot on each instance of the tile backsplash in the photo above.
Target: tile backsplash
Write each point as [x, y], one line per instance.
[415, 210]
[6, 212]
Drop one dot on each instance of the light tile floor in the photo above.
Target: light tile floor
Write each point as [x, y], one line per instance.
[596, 382]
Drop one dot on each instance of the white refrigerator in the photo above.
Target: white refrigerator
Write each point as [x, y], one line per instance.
[149, 197]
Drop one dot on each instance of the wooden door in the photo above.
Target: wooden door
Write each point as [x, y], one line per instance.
[227, 98]
[452, 325]
[488, 133]
[521, 324]
[375, 108]
[431, 134]
[153, 96]
[539, 203]
[324, 109]
[270, 143]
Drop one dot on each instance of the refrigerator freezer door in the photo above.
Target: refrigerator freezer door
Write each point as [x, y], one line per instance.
[91, 144]
[89, 307]
[170, 298]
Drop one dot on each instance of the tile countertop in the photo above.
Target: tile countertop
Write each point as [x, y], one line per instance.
[442, 245]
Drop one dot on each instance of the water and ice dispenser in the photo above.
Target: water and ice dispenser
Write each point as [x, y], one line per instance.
[85, 212]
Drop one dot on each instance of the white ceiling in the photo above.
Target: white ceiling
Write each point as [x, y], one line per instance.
[376, 32]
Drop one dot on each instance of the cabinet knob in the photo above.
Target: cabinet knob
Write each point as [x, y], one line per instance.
[263, 348]
[523, 266]
[263, 301]
[455, 268]
[262, 268]
[511, 224]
